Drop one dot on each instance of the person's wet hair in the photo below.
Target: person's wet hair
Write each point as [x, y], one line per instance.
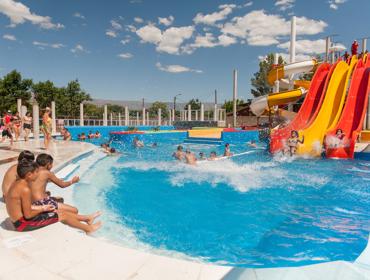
[24, 167]
[112, 150]
[179, 148]
[26, 155]
[44, 159]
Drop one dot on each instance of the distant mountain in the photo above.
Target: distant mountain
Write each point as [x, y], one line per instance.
[137, 105]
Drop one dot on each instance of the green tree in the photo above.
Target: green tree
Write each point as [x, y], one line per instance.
[153, 110]
[228, 105]
[93, 111]
[45, 93]
[195, 104]
[259, 80]
[12, 87]
[70, 98]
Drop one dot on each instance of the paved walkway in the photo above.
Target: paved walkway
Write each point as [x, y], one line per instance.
[60, 252]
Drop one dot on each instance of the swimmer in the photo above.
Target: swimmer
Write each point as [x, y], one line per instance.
[179, 154]
[97, 134]
[202, 156]
[137, 143]
[190, 158]
[154, 145]
[90, 135]
[252, 144]
[212, 156]
[227, 152]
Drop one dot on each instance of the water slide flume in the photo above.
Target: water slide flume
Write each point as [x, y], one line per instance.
[308, 110]
[353, 114]
[330, 111]
[260, 104]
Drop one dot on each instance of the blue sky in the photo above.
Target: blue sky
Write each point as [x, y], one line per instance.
[133, 49]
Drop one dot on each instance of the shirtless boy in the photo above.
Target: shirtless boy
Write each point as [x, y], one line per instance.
[27, 218]
[227, 152]
[190, 158]
[11, 174]
[179, 154]
[38, 186]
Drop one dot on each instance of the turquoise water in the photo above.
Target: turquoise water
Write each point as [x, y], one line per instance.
[250, 211]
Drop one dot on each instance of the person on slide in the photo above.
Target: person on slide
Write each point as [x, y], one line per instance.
[293, 142]
[26, 217]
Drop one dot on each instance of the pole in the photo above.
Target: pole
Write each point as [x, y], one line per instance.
[202, 112]
[143, 104]
[36, 121]
[277, 83]
[159, 116]
[189, 113]
[81, 114]
[19, 106]
[53, 118]
[235, 95]
[105, 116]
[293, 35]
[327, 46]
[119, 119]
[364, 41]
[143, 116]
[170, 117]
[127, 116]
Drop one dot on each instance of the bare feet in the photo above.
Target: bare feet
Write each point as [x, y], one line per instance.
[92, 217]
[94, 227]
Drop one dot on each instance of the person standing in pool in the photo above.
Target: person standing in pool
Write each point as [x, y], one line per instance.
[293, 142]
[46, 127]
[137, 143]
[190, 158]
[7, 129]
[179, 154]
[27, 120]
[227, 152]
[212, 156]
[202, 156]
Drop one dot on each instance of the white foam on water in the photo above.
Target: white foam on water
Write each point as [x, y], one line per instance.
[90, 197]
[342, 210]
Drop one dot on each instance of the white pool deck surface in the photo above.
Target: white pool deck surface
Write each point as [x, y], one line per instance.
[60, 252]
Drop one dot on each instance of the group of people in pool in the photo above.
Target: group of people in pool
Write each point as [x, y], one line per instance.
[189, 157]
[90, 135]
[30, 206]
[293, 141]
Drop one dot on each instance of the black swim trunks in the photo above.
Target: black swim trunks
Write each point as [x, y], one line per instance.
[6, 133]
[26, 126]
[39, 221]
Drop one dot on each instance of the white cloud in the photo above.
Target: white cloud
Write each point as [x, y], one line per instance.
[138, 20]
[261, 29]
[168, 41]
[79, 49]
[111, 33]
[211, 19]
[209, 41]
[19, 13]
[125, 55]
[173, 37]
[125, 41]
[166, 21]
[248, 4]
[150, 34]
[9, 37]
[306, 46]
[334, 4]
[130, 28]
[176, 68]
[43, 45]
[284, 4]
[115, 24]
[78, 15]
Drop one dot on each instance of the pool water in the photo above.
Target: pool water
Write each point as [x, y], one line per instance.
[250, 211]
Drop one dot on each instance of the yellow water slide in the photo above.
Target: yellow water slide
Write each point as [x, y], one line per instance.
[260, 104]
[330, 111]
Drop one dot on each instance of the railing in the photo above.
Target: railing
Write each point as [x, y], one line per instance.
[110, 122]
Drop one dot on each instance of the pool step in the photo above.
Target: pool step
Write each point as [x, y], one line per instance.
[201, 140]
[66, 171]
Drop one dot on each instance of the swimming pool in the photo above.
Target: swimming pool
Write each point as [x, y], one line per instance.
[250, 211]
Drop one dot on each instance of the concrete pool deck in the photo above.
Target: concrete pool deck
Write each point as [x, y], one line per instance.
[60, 252]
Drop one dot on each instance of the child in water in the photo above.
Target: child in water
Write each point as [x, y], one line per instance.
[293, 142]
[227, 152]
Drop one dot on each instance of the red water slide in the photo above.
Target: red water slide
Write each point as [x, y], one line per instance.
[308, 110]
[351, 121]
